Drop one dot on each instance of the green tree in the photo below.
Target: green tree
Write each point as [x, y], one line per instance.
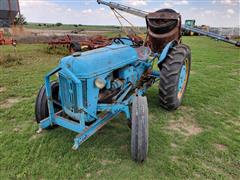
[20, 20]
[59, 24]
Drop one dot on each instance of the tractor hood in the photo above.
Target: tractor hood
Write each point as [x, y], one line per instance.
[99, 61]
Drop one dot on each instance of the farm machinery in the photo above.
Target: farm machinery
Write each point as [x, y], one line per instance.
[6, 41]
[85, 43]
[95, 86]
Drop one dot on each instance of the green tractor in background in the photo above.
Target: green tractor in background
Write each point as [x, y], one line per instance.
[192, 24]
[189, 23]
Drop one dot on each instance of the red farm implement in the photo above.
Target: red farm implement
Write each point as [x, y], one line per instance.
[86, 43]
[5, 41]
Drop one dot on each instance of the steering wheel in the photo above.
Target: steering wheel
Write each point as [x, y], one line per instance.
[118, 41]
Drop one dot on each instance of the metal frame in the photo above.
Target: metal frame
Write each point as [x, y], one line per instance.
[84, 131]
[110, 110]
[143, 14]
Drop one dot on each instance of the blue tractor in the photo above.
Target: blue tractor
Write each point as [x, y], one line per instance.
[95, 86]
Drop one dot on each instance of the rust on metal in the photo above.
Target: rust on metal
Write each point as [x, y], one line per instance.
[87, 43]
[163, 15]
[136, 39]
[6, 41]
[163, 26]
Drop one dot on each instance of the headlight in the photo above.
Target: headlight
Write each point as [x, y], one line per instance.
[100, 83]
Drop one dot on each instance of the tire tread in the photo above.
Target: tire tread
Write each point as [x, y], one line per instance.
[170, 70]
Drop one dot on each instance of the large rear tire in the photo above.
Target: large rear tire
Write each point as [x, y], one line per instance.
[41, 105]
[175, 71]
[139, 138]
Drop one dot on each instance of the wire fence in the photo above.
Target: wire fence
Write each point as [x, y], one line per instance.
[232, 32]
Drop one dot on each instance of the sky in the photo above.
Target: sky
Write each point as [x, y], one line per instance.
[216, 13]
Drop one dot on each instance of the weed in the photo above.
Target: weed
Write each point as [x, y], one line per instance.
[10, 60]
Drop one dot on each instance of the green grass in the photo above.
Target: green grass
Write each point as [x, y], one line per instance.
[105, 30]
[199, 140]
[71, 27]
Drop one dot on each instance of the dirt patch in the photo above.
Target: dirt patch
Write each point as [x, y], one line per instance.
[220, 147]
[236, 72]
[2, 89]
[186, 124]
[17, 129]
[186, 109]
[99, 172]
[193, 72]
[88, 175]
[31, 36]
[124, 147]
[212, 168]
[237, 62]
[107, 162]
[197, 175]
[174, 158]
[10, 102]
[35, 136]
[153, 118]
[185, 127]
[217, 113]
[173, 145]
[214, 66]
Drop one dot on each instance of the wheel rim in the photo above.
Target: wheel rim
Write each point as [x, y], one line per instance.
[183, 78]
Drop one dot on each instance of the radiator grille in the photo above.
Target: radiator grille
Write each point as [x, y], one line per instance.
[84, 92]
[69, 94]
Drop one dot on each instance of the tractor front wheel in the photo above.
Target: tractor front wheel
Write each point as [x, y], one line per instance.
[139, 137]
[174, 75]
[41, 105]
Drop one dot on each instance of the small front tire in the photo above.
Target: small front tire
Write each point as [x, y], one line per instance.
[41, 105]
[139, 125]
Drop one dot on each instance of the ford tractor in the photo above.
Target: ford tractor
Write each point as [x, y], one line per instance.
[95, 86]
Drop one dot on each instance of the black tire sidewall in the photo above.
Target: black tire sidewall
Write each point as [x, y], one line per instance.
[139, 134]
[41, 104]
[170, 71]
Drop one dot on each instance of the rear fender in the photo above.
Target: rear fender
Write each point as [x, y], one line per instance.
[165, 52]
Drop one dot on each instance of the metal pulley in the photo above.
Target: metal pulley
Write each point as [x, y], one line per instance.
[163, 26]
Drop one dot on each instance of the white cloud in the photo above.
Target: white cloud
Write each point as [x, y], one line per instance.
[168, 5]
[210, 12]
[229, 2]
[174, 3]
[182, 2]
[214, 2]
[137, 2]
[194, 8]
[43, 11]
[230, 11]
[87, 11]
[226, 2]
[51, 12]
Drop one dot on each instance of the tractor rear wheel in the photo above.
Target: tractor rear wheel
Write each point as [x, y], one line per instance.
[41, 105]
[139, 137]
[175, 71]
